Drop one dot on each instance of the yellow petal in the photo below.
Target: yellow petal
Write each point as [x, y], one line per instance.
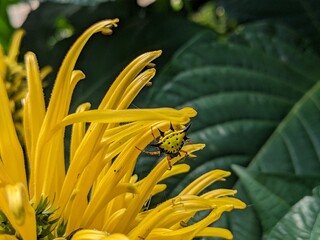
[119, 87]
[100, 199]
[10, 148]
[88, 234]
[113, 220]
[3, 64]
[161, 212]
[45, 71]
[228, 201]
[215, 232]
[78, 131]
[8, 237]
[146, 187]
[160, 233]
[79, 200]
[52, 150]
[176, 169]
[104, 190]
[135, 87]
[15, 45]
[158, 188]
[34, 107]
[221, 192]
[204, 181]
[90, 144]
[190, 231]
[116, 236]
[15, 205]
[62, 88]
[122, 116]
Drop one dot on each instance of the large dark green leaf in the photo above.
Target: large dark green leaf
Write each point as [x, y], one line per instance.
[301, 15]
[301, 222]
[295, 141]
[273, 194]
[257, 101]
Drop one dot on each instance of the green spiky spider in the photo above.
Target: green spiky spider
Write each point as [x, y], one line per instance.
[170, 143]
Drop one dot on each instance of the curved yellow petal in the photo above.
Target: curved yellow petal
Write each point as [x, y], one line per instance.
[116, 236]
[154, 219]
[98, 190]
[34, 110]
[123, 116]
[3, 64]
[176, 169]
[88, 234]
[45, 71]
[190, 231]
[8, 237]
[204, 181]
[58, 108]
[62, 84]
[105, 188]
[236, 203]
[159, 233]
[147, 186]
[15, 45]
[96, 130]
[120, 85]
[221, 192]
[215, 232]
[14, 203]
[10, 149]
[113, 220]
[78, 131]
[77, 204]
[135, 87]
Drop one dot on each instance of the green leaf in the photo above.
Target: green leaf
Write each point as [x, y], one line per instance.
[302, 15]
[6, 29]
[301, 222]
[295, 141]
[256, 100]
[273, 194]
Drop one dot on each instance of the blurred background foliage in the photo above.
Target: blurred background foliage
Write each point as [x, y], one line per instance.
[250, 68]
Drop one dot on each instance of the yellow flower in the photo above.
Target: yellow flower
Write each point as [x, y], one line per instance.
[98, 196]
[14, 75]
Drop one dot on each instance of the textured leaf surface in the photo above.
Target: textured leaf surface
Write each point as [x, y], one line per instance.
[296, 140]
[302, 15]
[273, 194]
[257, 104]
[301, 222]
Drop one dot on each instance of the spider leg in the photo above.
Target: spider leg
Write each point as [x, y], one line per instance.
[157, 153]
[186, 155]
